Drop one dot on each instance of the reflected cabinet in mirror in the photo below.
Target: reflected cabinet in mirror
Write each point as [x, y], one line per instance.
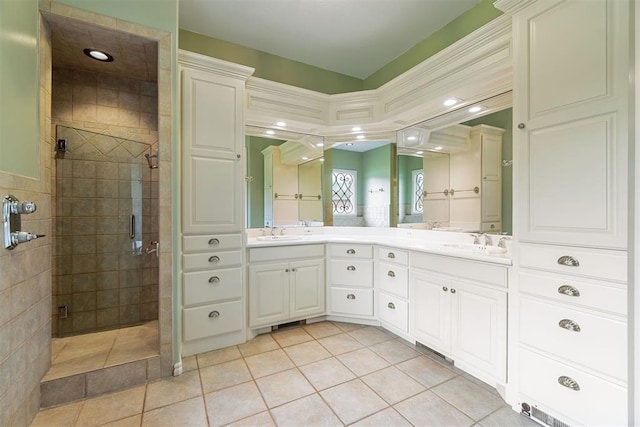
[284, 178]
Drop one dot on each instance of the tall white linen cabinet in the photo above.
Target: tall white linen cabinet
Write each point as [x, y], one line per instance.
[568, 308]
[212, 148]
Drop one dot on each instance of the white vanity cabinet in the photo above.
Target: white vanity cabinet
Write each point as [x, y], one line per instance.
[459, 308]
[286, 284]
[350, 273]
[392, 287]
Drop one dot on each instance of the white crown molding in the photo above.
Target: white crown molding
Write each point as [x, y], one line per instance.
[511, 6]
[214, 65]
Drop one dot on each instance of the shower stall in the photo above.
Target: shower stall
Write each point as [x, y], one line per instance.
[106, 231]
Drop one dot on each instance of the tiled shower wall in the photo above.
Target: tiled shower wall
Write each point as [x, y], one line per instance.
[104, 278]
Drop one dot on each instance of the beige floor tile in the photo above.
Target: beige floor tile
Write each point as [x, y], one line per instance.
[64, 415]
[507, 417]
[308, 352]
[57, 344]
[468, 397]
[308, 411]
[341, 343]
[346, 327]
[353, 400]
[284, 387]
[233, 404]
[224, 375]
[389, 417]
[189, 364]
[427, 409]
[363, 361]
[218, 356]
[327, 373]
[260, 344]
[112, 407]
[134, 421]
[291, 336]
[392, 384]
[370, 335]
[186, 413]
[394, 351]
[322, 329]
[426, 371]
[128, 349]
[263, 419]
[81, 364]
[269, 363]
[172, 389]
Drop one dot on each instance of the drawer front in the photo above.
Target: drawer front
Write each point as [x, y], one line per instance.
[574, 290]
[210, 320]
[205, 287]
[596, 263]
[352, 272]
[393, 279]
[575, 335]
[472, 270]
[351, 251]
[213, 242]
[394, 311]
[597, 403]
[393, 255]
[212, 260]
[285, 253]
[490, 227]
[352, 302]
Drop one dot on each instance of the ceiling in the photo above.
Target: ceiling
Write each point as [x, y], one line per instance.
[352, 37]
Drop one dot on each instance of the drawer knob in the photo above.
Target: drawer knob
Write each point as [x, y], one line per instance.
[351, 296]
[351, 251]
[214, 279]
[453, 291]
[444, 288]
[569, 290]
[569, 261]
[391, 305]
[351, 268]
[214, 258]
[568, 382]
[569, 325]
[391, 274]
[214, 313]
[214, 241]
[391, 255]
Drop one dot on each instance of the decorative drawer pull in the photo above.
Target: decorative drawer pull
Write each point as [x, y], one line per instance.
[391, 305]
[351, 296]
[569, 290]
[214, 241]
[569, 325]
[214, 279]
[351, 251]
[294, 269]
[453, 291]
[569, 261]
[391, 255]
[351, 268]
[391, 274]
[214, 258]
[214, 313]
[444, 288]
[568, 382]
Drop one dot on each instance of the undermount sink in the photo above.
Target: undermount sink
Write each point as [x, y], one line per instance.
[278, 238]
[469, 247]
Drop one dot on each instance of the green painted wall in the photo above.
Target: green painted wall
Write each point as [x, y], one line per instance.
[271, 67]
[377, 167]
[19, 88]
[255, 169]
[503, 119]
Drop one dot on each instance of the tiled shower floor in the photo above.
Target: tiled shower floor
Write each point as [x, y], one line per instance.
[322, 374]
[84, 353]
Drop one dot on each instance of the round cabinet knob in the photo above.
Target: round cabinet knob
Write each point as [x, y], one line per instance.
[493, 226]
[351, 296]
[521, 126]
[214, 258]
[214, 279]
[444, 288]
[453, 291]
[214, 313]
[214, 242]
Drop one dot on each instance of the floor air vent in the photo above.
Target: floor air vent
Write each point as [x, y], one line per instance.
[546, 419]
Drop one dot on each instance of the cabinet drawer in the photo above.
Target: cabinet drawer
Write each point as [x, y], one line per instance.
[209, 286]
[574, 290]
[213, 242]
[352, 302]
[597, 263]
[490, 227]
[212, 260]
[210, 320]
[575, 335]
[351, 251]
[597, 403]
[352, 272]
[475, 271]
[393, 311]
[393, 255]
[285, 253]
[393, 279]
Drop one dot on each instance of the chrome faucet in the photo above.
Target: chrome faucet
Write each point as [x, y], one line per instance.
[476, 238]
[273, 231]
[502, 243]
[488, 240]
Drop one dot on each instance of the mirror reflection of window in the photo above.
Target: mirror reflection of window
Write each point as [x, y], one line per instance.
[417, 203]
[343, 191]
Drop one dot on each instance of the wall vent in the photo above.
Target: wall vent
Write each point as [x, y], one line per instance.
[546, 419]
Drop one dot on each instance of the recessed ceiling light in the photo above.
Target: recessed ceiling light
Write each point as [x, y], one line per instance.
[321, 159]
[437, 148]
[98, 55]
[305, 158]
[356, 129]
[450, 101]
[360, 136]
[475, 109]
[419, 152]
[349, 144]
[320, 144]
[270, 132]
[281, 124]
[411, 138]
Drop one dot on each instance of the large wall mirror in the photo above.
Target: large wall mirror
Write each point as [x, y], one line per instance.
[284, 178]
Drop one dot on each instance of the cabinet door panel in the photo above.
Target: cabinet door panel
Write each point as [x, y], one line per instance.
[430, 308]
[308, 288]
[268, 294]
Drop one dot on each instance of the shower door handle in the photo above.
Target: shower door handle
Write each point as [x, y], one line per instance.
[132, 227]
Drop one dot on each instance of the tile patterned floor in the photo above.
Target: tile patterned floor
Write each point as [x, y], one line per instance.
[321, 374]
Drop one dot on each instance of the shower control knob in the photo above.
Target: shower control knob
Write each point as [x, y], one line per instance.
[23, 208]
[23, 237]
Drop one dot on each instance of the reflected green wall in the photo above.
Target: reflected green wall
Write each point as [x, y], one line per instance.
[406, 165]
[378, 167]
[255, 169]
